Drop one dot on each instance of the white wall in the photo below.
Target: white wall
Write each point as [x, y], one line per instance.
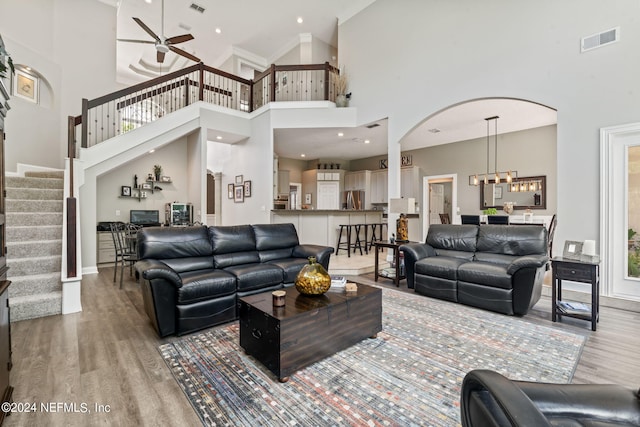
[172, 158]
[74, 52]
[434, 54]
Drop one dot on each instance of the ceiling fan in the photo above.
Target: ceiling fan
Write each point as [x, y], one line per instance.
[163, 44]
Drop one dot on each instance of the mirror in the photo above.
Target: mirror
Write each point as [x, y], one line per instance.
[527, 192]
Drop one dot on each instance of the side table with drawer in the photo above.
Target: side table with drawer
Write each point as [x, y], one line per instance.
[584, 270]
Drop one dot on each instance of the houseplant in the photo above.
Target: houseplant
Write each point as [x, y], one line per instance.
[157, 170]
[342, 97]
[5, 60]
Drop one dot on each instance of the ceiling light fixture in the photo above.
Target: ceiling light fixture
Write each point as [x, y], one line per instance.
[497, 176]
[366, 141]
[218, 137]
[340, 134]
[218, 31]
[300, 20]
[151, 151]
[303, 155]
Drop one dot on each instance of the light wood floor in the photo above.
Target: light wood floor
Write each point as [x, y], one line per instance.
[108, 355]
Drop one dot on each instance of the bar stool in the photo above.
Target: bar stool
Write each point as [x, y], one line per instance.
[357, 244]
[341, 245]
[376, 227]
[366, 236]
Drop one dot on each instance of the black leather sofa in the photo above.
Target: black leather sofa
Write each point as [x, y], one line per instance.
[194, 275]
[495, 267]
[489, 399]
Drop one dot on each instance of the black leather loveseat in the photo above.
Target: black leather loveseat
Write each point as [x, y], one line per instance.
[489, 399]
[193, 275]
[495, 267]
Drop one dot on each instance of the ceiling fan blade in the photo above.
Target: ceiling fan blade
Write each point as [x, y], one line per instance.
[148, 30]
[136, 41]
[179, 39]
[185, 54]
[160, 57]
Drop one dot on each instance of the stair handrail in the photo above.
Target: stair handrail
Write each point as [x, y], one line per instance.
[266, 87]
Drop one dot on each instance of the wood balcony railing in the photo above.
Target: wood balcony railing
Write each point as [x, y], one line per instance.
[127, 109]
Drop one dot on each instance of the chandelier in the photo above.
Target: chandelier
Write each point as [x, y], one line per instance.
[509, 175]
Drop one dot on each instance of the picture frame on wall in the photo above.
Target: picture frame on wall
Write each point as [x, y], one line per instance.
[26, 86]
[239, 179]
[572, 249]
[238, 194]
[497, 192]
[125, 191]
[230, 191]
[146, 186]
[247, 189]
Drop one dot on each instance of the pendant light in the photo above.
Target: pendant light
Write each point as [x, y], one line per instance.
[497, 175]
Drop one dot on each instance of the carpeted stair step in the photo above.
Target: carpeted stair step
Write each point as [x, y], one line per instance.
[33, 249]
[23, 182]
[29, 233]
[32, 306]
[34, 194]
[35, 284]
[31, 219]
[33, 205]
[58, 174]
[34, 265]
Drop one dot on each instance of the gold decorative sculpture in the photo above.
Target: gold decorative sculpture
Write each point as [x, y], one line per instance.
[402, 229]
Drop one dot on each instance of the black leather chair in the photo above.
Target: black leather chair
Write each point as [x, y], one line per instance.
[470, 219]
[498, 219]
[489, 399]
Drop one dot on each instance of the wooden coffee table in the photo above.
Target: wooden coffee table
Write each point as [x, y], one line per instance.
[307, 329]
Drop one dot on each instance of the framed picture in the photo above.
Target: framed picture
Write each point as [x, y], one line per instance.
[146, 186]
[238, 194]
[239, 179]
[165, 178]
[307, 198]
[247, 189]
[230, 191]
[25, 86]
[125, 191]
[497, 192]
[572, 249]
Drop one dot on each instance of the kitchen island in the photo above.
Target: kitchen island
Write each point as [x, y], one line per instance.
[321, 227]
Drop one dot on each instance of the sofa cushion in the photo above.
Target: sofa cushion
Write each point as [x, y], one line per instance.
[256, 276]
[275, 254]
[500, 259]
[484, 273]
[275, 236]
[201, 285]
[455, 254]
[439, 266]
[290, 267]
[180, 243]
[515, 240]
[233, 245]
[453, 237]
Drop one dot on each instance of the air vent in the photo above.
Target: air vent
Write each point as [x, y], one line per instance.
[601, 39]
[197, 7]
[184, 26]
[375, 125]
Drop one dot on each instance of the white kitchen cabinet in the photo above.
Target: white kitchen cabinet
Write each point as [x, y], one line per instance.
[379, 186]
[410, 182]
[283, 182]
[360, 180]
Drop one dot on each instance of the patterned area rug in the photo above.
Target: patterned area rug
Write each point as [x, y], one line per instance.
[409, 375]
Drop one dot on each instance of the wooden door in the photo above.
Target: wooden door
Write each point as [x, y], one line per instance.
[436, 203]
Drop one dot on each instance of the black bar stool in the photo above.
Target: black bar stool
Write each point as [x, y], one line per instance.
[344, 245]
[379, 228]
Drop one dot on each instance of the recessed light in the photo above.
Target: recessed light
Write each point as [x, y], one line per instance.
[366, 141]
[218, 30]
[300, 20]
[151, 151]
[340, 134]
[218, 137]
[303, 155]
[148, 1]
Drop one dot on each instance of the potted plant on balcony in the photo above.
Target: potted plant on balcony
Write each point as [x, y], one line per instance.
[342, 97]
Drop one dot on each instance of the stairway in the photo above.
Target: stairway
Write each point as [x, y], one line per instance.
[34, 244]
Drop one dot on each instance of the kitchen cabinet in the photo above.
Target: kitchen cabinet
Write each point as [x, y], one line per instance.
[410, 184]
[379, 192]
[283, 182]
[360, 180]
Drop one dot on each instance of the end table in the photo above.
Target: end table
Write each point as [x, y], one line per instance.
[584, 270]
[396, 256]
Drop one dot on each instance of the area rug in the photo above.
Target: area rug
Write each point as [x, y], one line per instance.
[409, 375]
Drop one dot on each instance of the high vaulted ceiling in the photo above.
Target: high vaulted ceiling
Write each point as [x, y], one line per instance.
[263, 31]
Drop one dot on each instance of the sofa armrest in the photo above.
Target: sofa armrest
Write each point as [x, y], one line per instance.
[534, 261]
[151, 269]
[489, 398]
[414, 252]
[322, 253]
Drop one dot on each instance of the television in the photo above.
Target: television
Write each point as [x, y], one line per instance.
[144, 217]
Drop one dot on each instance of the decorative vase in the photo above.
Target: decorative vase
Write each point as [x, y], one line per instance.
[313, 279]
[341, 101]
[508, 207]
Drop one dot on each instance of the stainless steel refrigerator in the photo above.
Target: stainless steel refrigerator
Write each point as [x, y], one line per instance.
[353, 200]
